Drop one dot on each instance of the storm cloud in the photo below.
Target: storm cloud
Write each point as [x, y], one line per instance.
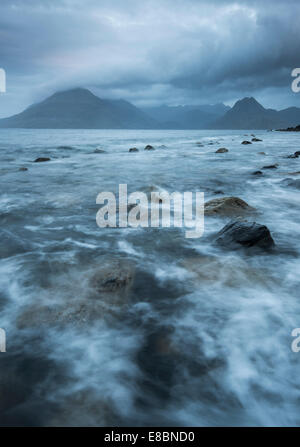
[150, 52]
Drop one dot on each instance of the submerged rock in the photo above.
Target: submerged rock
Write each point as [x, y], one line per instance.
[246, 142]
[149, 148]
[257, 173]
[65, 147]
[99, 151]
[292, 183]
[133, 149]
[23, 169]
[256, 139]
[227, 206]
[41, 159]
[261, 153]
[246, 234]
[222, 150]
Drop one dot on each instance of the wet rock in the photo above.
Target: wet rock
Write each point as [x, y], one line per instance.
[133, 149]
[275, 166]
[149, 148]
[297, 153]
[256, 139]
[257, 173]
[292, 156]
[292, 183]
[222, 150]
[245, 234]
[65, 147]
[246, 142]
[227, 206]
[114, 276]
[99, 151]
[261, 153]
[41, 159]
[23, 169]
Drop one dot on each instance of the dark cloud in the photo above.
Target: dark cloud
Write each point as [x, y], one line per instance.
[150, 51]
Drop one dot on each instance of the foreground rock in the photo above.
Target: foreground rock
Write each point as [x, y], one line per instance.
[41, 159]
[100, 292]
[133, 149]
[245, 234]
[227, 206]
[222, 150]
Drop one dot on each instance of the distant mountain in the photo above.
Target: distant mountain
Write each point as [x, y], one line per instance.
[80, 109]
[186, 117]
[249, 114]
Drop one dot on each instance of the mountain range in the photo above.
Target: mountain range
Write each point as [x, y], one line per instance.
[80, 109]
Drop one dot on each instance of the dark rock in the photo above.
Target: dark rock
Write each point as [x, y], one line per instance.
[270, 166]
[149, 148]
[297, 153]
[41, 159]
[290, 129]
[256, 139]
[261, 153]
[222, 150]
[65, 147]
[133, 149]
[257, 173]
[245, 234]
[246, 142]
[23, 169]
[99, 151]
[292, 156]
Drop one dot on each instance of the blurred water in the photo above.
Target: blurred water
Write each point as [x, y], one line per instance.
[202, 336]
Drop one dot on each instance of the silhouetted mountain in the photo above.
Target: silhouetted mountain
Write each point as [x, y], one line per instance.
[186, 117]
[80, 109]
[249, 114]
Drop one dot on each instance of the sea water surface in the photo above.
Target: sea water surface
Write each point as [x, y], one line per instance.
[200, 337]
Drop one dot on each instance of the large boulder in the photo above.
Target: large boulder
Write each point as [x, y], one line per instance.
[245, 234]
[227, 206]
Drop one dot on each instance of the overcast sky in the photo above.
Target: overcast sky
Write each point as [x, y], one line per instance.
[150, 52]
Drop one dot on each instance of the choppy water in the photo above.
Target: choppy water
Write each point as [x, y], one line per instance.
[202, 336]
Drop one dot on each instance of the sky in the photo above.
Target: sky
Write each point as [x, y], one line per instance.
[150, 52]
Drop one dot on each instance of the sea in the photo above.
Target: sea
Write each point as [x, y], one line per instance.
[180, 332]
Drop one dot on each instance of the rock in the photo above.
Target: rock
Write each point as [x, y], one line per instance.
[115, 276]
[133, 149]
[227, 206]
[290, 129]
[245, 234]
[41, 159]
[99, 151]
[270, 166]
[297, 153]
[292, 183]
[23, 169]
[198, 143]
[246, 142]
[222, 150]
[256, 139]
[257, 173]
[292, 156]
[149, 148]
[261, 153]
[65, 147]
